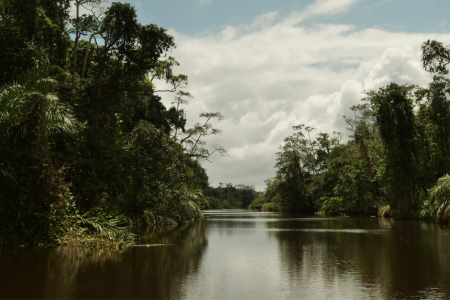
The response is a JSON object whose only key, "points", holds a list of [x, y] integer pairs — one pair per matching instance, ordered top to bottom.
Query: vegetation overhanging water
{"points": [[88, 152]]}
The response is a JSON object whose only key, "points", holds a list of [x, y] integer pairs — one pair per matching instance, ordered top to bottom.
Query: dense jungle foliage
{"points": [[87, 149], [394, 163]]}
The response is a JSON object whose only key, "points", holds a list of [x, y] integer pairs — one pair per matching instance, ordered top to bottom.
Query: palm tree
{"points": [[29, 109], [30, 116]]}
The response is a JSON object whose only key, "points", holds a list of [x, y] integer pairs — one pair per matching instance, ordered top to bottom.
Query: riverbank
{"points": [[440, 214], [92, 232]]}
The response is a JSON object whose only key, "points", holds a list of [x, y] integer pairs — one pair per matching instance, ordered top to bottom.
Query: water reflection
{"points": [[237, 254], [401, 260], [138, 272]]}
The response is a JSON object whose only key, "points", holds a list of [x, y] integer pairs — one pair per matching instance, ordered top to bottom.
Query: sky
{"points": [[269, 65]]}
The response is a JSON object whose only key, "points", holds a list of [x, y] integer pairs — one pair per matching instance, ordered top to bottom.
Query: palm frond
{"points": [[8, 95], [31, 105], [60, 117], [439, 196], [194, 206], [109, 228]]}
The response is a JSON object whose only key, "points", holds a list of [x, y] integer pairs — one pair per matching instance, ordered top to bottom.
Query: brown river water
{"points": [[237, 254]]}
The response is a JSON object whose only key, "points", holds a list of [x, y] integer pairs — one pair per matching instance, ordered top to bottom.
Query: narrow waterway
{"points": [[236, 254]]}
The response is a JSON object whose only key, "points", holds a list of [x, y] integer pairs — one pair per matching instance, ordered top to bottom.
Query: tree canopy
{"points": [[86, 145]]}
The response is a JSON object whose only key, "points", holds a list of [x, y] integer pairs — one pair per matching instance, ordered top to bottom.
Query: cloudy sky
{"points": [[269, 65]]}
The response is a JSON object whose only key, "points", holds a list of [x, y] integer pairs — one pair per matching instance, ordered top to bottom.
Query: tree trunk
{"points": [[75, 46], [86, 55]]}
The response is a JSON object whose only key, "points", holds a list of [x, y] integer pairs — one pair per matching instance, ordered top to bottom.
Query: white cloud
{"points": [[321, 7], [267, 77]]}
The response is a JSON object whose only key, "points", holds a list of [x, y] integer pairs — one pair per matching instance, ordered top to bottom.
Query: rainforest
{"points": [[89, 153], [395, 162]]}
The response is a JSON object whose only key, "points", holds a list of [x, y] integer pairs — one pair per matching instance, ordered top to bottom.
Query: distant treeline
{"points": [[394, 164], [229, 196]]}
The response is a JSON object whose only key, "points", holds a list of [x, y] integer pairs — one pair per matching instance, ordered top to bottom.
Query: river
{"points": [[237, 254]]}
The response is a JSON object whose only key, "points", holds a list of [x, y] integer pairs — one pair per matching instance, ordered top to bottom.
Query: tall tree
{"points": [[33, 32], [436, 101], [396, 123]]}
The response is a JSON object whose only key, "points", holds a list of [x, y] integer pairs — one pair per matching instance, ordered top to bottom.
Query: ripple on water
{"points": [[269, 220], [364, 231]]}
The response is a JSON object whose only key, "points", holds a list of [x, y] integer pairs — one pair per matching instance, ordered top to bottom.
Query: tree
{"points": [[82, 25], [32, 34], [435, 102], [31, 118], [396, 122], [192, 140], [88, 145], [300, 162]]}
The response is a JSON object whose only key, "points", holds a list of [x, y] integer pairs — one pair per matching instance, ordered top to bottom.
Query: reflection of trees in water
{"points": [[229, 224], [230, 228], [409, 259], [137, 272], [37, 273]]}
